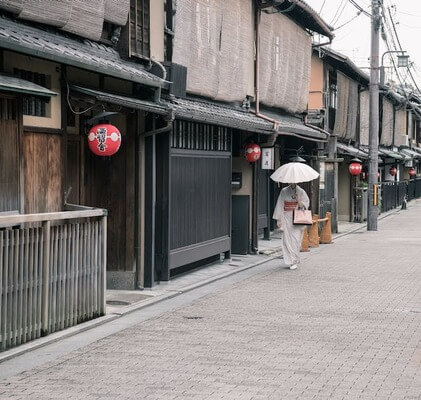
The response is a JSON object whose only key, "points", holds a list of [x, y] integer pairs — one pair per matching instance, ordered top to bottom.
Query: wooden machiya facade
{"points": [[46, 102], [339, 102], [192, 181], [169, 190]]}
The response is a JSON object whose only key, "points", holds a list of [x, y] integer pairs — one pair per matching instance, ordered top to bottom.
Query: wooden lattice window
{"points": [[139, 25], [168, 30], [32, 105], [196, 136]]}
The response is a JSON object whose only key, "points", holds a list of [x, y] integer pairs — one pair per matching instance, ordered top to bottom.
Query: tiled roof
{"points": [[47, 43], [124, 101], [214, 113], [235, 117], [351, 150]]}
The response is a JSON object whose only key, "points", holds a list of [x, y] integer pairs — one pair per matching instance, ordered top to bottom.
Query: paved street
{"points": [[345, 325]]}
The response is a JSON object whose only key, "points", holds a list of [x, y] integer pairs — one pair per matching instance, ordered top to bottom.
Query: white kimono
{"points": [[292, 234]]}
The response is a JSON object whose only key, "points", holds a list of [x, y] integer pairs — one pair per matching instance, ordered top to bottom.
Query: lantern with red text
{"points": [[104, 139], [252, 152], [355, 168], [393, 171], [412, 172]]}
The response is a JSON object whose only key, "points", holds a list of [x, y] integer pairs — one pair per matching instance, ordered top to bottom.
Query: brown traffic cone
{"points": [[326, 233], [313, 236], [304, 242]]}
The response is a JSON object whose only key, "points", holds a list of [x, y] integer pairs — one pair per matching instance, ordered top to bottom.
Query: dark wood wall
{"points": [[10, 137], [43, 172], [107, 182], [200, 200]]}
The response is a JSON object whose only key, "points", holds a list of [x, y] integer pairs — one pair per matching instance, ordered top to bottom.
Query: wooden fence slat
{"points": [[19, 233], [54, 252], [8, 262], [25, 265], [95, 266], [90, 271], [76, 272], [51, 277], [31, 283], [15, 287], [2, 294]]}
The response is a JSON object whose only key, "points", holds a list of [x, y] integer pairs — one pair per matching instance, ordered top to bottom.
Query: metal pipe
{"points": [[314, 46]]}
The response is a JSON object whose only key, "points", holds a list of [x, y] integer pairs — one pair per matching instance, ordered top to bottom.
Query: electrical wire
{"points": [[358, 7], [321, 8], [334, 19], [346, 23], [400, 47], [70, 106]]}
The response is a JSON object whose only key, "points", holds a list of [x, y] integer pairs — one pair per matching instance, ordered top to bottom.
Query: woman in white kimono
{"points": [[290, 198]]}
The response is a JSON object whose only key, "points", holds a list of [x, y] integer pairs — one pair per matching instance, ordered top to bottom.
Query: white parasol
{"points": [[294, 172]]}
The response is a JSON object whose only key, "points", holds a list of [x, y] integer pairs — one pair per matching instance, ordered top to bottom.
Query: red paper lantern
{"points": [[104, 139], [252, 152], [355, 168], [393, 171], [412, 172]]}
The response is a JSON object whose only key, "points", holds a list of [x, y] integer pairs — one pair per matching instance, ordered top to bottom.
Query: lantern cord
{"points": [[70, 106]]}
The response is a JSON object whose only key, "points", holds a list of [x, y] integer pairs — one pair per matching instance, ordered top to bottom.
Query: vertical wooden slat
{"points": [[19, 234], [39, 237], [8, 262], [54, 262], [104, 262], [76, 268], [88, 269], [96, 269], [83, 273], [72, 274], [45, 277], [68, 279], [25, 284], [31, 284], [15, 285], [61, 286], [2, 294]]}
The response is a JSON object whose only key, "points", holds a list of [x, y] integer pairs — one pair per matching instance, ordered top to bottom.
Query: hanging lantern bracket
{"points": [[101, 118]]}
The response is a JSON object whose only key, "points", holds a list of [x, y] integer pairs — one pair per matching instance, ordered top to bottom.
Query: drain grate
{"points": [[195, 317]]}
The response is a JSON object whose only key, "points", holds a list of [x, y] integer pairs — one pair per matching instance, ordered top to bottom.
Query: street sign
{"points": [[268, 159]]}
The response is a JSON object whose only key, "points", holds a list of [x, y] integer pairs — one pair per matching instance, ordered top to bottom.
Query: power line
{"points": [[358, 7], [321, 8], [338, 13], [346, 23], [400, 47]]}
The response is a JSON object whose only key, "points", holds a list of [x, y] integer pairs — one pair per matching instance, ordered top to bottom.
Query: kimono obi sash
{"points": [[290, 205]]}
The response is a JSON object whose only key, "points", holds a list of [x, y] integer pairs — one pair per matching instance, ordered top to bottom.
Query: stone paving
{"points": [[345, 325]]}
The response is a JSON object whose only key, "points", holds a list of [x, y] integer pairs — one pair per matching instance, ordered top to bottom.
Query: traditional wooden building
{"points": [[61, 66], [187, 92], [339, 102], [209, 199]]}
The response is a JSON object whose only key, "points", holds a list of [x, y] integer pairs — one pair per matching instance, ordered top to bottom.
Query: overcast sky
{"points": [[353, 39]]}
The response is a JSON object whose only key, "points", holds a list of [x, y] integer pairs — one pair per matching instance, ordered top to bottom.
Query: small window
{"points": [[139, 25], [169, 29], [32, 105], [196, 136]]}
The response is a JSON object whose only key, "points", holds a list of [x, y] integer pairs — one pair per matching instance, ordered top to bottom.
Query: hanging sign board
{"points": [[268, 158]]}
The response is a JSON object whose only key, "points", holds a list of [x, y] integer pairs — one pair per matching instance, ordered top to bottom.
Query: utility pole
{"points": [[374, 118]]}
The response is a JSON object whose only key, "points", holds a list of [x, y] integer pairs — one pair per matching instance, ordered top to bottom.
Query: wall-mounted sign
{"points": [[268, 158]]}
